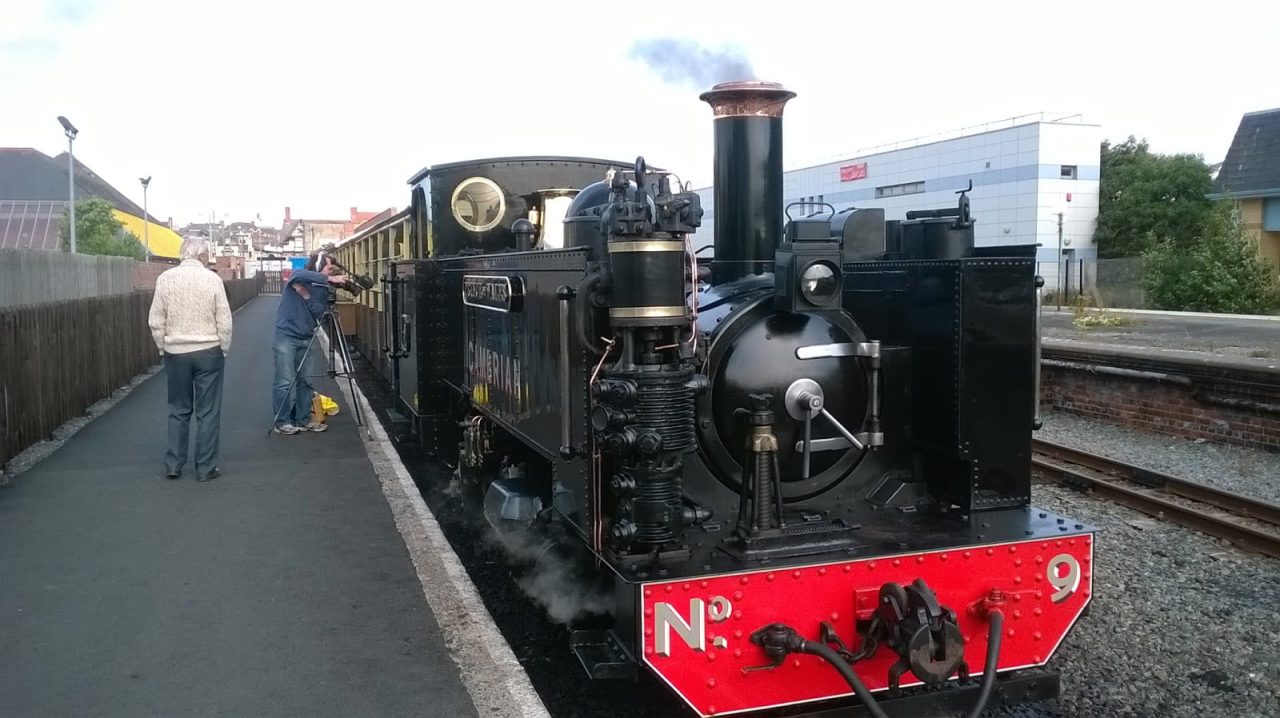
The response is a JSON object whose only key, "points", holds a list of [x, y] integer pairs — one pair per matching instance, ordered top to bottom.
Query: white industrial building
{"points": [[1025, 171]]}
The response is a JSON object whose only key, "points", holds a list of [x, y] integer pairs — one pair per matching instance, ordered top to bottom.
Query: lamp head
{"points": [[67, 127], [145, 181]]}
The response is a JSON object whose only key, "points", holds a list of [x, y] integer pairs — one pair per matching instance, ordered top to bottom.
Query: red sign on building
{"points": [[848, 173]]}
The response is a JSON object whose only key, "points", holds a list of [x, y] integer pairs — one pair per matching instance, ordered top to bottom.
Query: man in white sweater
{"points": [[191, 324]]}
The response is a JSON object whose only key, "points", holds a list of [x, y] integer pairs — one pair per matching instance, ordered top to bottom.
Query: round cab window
{"points": [[478, 204]]}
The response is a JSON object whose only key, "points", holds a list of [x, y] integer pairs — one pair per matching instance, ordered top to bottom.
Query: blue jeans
{"points": [[195, 386], [292, 408]]}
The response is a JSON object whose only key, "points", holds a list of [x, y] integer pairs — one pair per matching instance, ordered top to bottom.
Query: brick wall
{"points": [[145, 273], [1185, 403]]}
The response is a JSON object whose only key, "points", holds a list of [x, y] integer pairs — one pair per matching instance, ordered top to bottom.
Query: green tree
{"points": [[1142, 195], [99, 232], [1218, 271]]}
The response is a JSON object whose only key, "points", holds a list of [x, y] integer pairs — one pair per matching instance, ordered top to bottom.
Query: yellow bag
{"points": [[322, 407]]}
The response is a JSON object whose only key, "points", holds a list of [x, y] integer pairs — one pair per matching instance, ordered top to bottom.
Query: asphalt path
{"points": [[281, 588]]}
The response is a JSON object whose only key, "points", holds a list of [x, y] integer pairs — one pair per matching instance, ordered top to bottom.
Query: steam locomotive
{"points": [[801, 466]]}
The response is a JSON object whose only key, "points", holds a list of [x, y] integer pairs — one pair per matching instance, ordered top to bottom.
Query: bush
{"points": [[99, 232], [1219, 271]]}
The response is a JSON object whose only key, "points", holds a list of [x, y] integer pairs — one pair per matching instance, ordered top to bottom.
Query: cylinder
{"points": [[747, 176], [648, 283]]}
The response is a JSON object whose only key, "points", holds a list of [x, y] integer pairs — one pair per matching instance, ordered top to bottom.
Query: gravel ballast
{"points": [[1244, 470], [1180, 623]]}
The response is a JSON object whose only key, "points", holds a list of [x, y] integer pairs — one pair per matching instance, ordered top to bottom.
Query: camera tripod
{"points": [[338, 349]]}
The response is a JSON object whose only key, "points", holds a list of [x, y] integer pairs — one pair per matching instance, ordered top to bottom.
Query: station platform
{"points": [[1246, 340], [283, 587]]}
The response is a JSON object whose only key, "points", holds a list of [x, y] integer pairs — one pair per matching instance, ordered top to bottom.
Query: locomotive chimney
{"points": [[748, 176]]}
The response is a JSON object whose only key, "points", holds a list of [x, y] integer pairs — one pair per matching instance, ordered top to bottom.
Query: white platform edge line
{"points": [[496, 682]]}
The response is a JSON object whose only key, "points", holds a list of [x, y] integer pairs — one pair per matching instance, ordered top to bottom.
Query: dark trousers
{"points": [[195, 385]]}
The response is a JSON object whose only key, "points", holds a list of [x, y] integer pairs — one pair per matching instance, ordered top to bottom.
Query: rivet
{"points": [[1072, 542], [1044, 544], [1058, 544], [1013, 549], [967, 554], [943, 557], [919, 559], [1039, 559], [1085, 559], [897, 562], [1017, 562], [871, 566], [848, 568], [822, 572], [795, 574], [768, 577], [1039, 578], [1017, 579], [743, 580], [704, 584], [687, 587], [670, 588], [648, 592], [1039, 594], [1086, 594], [737, 595], [1017, 596], [648, 611], [1036, 611], [737, 615], [835, 617], [648, 632], [1011, 632], [737, 633], [1036, 635], [648, 650], [737, 653], [711, 656], [1037, 659], [796, 662], [711, 683], [711, 710]]}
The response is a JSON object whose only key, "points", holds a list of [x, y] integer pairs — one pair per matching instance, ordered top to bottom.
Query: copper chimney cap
{"points": [[747, 98]]}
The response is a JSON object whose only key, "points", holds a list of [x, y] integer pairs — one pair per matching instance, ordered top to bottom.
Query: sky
{"points": [[243, 107]]}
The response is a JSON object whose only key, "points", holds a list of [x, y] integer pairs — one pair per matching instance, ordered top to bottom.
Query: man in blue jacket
{"points": [[303, 301]]}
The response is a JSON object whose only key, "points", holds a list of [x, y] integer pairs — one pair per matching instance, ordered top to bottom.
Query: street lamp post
{"points": [[71, 133], [146, 239]]}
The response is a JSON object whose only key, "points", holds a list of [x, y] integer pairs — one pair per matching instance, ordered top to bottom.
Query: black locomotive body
{"points": [[808, 454]]}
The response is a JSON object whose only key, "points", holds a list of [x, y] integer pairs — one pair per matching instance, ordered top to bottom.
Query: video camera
{"points": [[356, 283]]}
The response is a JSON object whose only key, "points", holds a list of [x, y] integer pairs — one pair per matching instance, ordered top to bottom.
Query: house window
{"points": [[1068, 172], [895, 190]]}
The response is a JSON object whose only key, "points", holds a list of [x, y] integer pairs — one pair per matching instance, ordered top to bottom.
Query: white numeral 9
{"points": [[1067, 582]]}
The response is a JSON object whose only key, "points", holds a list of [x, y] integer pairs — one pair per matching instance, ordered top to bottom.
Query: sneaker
{"points": [[314, 426], [286, 429], [213, 474]]}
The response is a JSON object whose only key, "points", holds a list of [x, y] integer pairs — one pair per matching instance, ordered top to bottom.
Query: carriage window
{"points": [[478, 204]]}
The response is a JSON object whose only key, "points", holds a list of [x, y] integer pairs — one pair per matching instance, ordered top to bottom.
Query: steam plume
{"points": [[684, 62]]}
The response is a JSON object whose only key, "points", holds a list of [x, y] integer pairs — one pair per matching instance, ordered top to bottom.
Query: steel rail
{"points": [[1104, 476]]}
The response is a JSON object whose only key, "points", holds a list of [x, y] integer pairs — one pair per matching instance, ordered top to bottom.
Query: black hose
{"points": [[994, 634], [825, 652]]}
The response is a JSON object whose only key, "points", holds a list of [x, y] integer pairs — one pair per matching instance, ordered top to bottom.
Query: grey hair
{"points": [[193, 247]]}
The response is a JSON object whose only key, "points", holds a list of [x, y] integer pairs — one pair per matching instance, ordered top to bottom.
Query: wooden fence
{"points": [[59, 358]]}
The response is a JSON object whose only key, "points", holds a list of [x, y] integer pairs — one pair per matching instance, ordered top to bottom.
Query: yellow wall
{"points": [[164, 241], [1268, 242]]}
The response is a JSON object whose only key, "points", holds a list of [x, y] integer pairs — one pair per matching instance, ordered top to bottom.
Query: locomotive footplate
{"points": [[802, 535]]}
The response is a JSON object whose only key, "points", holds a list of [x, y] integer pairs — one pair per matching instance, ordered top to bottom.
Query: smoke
{"points": [[684, 62], [547, 576]]}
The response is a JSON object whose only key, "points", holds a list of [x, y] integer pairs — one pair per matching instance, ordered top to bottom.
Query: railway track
{"points": [[1245, 521]]}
